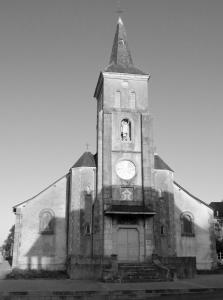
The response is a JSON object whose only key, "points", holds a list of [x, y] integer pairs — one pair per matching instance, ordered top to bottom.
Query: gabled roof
{"points": [[121, 59], [86, 160], [160, 164], [49, 186], [195, 198], [218, 208]]}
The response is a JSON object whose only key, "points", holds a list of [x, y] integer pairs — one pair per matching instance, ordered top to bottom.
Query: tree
{"points": [[7, 247]]}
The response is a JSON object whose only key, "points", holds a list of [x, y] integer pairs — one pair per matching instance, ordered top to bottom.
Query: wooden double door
{"points": [[128, 244]]}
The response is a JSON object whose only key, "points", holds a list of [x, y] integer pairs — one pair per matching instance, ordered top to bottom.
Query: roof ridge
{"points": [[50, 185], [194, 197]]}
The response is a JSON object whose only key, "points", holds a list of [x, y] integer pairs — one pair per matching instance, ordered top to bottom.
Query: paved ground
{"points": [[201, 282], [209, 286], [208, 296]]}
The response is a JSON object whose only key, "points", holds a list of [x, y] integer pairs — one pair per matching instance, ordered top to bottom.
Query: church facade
{"points": [[122, 203]]}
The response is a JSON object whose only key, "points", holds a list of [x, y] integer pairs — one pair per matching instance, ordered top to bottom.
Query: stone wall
{"points": [[82, 194], [164, 227], [87, 267], [181, 267]]}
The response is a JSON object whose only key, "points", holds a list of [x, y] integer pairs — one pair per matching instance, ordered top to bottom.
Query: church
{"points": [[121, 206]]}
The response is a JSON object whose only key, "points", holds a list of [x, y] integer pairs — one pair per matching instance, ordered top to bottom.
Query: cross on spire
{"points": [[119, 10], [87, 146]]}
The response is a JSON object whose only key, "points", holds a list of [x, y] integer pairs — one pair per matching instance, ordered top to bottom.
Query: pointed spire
{"points": [[120, 21], [120, 51], [121, 59]]}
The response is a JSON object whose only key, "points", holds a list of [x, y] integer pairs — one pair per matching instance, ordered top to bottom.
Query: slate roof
{"points": [[121, 59], [86, 160], [160, 164], [217, 206]]}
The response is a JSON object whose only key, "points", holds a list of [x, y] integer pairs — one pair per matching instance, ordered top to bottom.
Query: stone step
{"points": [[152, 267], [136, 272], [141, 274], [142, 280]]}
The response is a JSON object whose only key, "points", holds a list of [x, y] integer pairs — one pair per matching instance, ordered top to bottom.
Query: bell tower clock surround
{"points": [[123, 209]]}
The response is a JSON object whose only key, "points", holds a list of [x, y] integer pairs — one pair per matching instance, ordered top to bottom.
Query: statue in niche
{"points": [[125, 130], [46, 218], [46, 222]]}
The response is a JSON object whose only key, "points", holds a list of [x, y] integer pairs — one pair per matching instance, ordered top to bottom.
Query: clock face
{"points": [[125, 169]]}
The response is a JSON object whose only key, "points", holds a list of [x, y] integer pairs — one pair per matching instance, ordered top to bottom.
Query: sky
{"points": [[51, 54]]}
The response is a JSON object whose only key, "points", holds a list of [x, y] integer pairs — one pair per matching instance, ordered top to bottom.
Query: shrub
{"points": [[33, 274]]}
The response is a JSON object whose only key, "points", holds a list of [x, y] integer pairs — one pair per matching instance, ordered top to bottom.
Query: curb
{"points": [[104, 294]]}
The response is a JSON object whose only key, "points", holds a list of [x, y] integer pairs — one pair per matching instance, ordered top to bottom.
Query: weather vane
{"points": [[119, 10]]}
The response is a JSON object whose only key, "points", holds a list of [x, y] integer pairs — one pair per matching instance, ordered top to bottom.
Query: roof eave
{"points": [[195, 198], [21, 203]]}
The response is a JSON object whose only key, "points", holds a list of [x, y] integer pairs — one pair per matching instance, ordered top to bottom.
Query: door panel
{"points": [[122, 242], [128, 244], [132, 244]]}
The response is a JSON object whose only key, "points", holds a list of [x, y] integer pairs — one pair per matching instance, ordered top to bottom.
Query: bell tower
{"points": [[124, 204]]}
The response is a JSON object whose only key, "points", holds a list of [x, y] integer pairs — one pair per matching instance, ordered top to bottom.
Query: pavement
{"points": [[208, 283], [40, 288]]}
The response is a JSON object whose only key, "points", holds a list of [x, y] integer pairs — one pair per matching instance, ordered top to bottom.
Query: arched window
{"points": [[121, 42], [126, 130], [46, 221], [187, 224], [87, 229], [162, 230]]}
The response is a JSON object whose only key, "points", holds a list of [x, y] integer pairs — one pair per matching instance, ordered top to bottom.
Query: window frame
{"points": [[132, 99], [51, 230], [186, 232]]}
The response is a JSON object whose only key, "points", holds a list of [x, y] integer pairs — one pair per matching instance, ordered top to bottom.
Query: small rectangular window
{"points": [[117, 99], [132, 101]]}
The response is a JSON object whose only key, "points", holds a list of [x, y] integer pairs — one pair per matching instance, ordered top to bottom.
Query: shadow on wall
{"points": [[192, 230], [59, 237], [50, 251]]}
